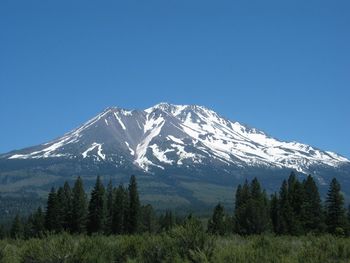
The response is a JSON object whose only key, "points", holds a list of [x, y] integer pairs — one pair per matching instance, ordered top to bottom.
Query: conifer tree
{"points": [[238, 197], [296, 199], [61, 203], [67, 206], [134, 206], [109, 207], [120, 208], [97, 209], [311, 210], [286, 211], [335, 211], [275, 213], [252, 215], [78, 216], [52, 218], [148, 219], [167, 221], [38, 223], [216, 224], [16, 230], [2, 232]]}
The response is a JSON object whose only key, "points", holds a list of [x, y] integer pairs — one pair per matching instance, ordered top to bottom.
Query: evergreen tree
{"points": [[238, 197], [296, 199], [61, 203], [134, 206], [67, 207], [109, 207], [97, 209], [120, 209], [311, 210], [286, 211], [335, 211], [275, 213], [78, 215], [252, 215], [52, 218], [148, 219], [167, 221], [38, 223], [217, 224], [16, 230], [2, 232]]}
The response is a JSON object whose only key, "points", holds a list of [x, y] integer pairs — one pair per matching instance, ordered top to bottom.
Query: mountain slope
{"points": [[169, 141]]}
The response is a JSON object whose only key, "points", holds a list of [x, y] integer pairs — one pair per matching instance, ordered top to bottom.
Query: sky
{"points": [[279, 66]]}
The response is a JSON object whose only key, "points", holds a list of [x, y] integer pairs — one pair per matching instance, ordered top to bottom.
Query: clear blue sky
{"points": [[280, 66]]}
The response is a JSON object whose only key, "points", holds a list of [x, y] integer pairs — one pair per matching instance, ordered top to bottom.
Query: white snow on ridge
{"points": [[120, 121], [152, 128], [174, 139], [99, 151], [132, 152], [160, 155]]}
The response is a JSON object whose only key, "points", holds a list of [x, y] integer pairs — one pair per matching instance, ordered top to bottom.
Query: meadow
{"points": [[178, 245]]}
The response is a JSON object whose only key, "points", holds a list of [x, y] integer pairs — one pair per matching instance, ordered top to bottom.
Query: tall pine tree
{"points": [[134, 206], [109, 207], [97, 209], [120, 210], [311, 210], [335, 211], [78, 215], [52, 217], [217, 224], [17, 228]]}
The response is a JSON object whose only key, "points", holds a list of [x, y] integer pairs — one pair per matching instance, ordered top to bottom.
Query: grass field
{"points": [[178, 245]]}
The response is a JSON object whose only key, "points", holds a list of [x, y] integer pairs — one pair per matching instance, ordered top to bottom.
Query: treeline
{"points": [[110, 210], [296, 210]]}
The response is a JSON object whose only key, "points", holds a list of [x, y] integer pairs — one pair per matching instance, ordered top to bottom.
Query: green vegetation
{"points": [[113, 226], [188, 243]]}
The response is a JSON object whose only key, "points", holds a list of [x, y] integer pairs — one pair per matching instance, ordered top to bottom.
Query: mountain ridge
{"points": [[204, 123], [187, 153]]}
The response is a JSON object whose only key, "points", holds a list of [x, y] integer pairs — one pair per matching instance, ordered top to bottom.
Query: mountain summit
{"points": [[179, 135], [176, 140]]}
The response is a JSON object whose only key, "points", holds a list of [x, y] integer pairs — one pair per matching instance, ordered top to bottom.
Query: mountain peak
{"points": [[177, 134]]}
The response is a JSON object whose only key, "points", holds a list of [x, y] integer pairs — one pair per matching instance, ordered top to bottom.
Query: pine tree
{"points": [[238, 197], [296, 199], [61, 203], [134, 206], [67, 207], [109, 208], [120, 208], [97, 209], [259, 209], [311, 210], [286, 211], [335, 211], [275, 213], [252, 215], [78, 217], [52, 218], [148, 219], [167, 221], [38, 223], [217, 224], [16, 230], [2, 232]]}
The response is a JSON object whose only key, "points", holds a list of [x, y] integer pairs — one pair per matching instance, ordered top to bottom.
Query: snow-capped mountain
{"points": [[177, 135], [180, 151]]}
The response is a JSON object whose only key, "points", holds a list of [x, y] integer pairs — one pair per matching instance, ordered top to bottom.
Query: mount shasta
{"points": [[183, 155]]}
